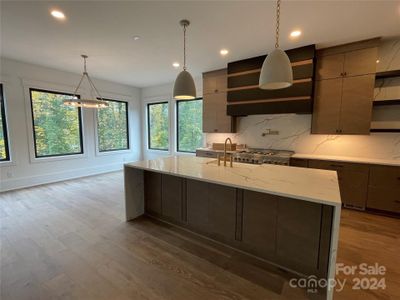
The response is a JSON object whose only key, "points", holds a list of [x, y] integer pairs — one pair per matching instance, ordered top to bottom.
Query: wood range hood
{"points": [[245, 98]]}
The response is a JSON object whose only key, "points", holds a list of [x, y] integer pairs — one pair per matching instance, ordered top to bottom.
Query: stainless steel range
{"points": [[263, 156]]}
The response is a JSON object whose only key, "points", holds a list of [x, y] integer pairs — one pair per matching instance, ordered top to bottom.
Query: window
{"points": [[158, 125], [189, 125], [112, 126], [57, 129], [4, 150]]}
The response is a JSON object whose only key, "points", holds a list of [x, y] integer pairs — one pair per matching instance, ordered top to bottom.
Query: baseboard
{"points": [[19, 183]]}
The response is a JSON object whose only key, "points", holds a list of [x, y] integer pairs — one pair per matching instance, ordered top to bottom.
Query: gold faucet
{"points": [[225, 154]]}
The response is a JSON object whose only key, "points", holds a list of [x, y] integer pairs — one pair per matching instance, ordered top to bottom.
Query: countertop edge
{"points": [[369, 161], [303, 198]]}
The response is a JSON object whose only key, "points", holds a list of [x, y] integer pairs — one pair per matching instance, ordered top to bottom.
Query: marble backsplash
{"points": [[294, 134]]}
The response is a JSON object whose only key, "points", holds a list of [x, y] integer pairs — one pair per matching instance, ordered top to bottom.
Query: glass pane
{"points": [[190, 125], [56, 126], [112, 126], [158, 126]]}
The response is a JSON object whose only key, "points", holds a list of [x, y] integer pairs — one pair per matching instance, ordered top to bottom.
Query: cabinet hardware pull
{"points": [[345, 73]]}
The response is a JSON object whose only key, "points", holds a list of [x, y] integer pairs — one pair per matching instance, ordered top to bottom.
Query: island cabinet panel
{"points": [[353, 181], [152, 193], [172, 198], [211, 209], [259, 224], [298, 235]]}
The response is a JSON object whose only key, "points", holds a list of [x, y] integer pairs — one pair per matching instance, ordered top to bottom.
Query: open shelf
{"points": [[387, 74], [386, 102], [384, 130]]}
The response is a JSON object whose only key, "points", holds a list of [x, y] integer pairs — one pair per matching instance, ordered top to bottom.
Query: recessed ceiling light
{"points": [[58, 14], [295, 33], [136, 37], [224, 52], [377, 61], [176, 65]]}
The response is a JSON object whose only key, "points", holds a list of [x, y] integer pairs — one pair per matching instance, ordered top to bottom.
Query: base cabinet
{"points": [[211, 209], [292, 233]]}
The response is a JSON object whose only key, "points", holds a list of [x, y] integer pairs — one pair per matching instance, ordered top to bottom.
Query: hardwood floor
{"points": [[69, 240]]}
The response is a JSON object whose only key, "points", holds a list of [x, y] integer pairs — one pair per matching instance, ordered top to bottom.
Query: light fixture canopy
{"points": [[276, 71], [184, 87], [97, 102]]}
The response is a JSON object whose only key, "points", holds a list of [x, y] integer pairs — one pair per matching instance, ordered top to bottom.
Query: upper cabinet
{"points": [[344, 88], [215, 118]]}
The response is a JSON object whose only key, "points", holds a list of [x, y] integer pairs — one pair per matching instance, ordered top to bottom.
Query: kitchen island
{"points": [[287, 216]]}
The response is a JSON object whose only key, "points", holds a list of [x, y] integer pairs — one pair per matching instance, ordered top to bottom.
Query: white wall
{"points": [[161, 93], [24, 170]]}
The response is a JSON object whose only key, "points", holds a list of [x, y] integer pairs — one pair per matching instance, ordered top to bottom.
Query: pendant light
{"points": [[276, 72], [184, 87], [97, 102]]}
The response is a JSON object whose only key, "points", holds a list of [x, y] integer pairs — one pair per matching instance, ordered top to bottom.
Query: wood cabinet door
{"points": [[360, 62], [329, 66], [215, 82], [327, 103], [210, 106], [356, 109], [215, 118], [353, 188], [152, 192], [172, 198], [386, 199], [197, 205], [222, 212], [259, 224], [298, 234]]}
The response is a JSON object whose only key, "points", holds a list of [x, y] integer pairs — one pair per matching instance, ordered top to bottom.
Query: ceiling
{"points": [[104, 30]]}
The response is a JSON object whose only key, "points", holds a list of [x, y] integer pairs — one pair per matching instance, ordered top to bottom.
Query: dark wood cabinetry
{"points": [[344, 89], [215, 118], [353, 181], [362, 186], [172, 189], [384, 189], [152, 193], [211, 209], [259, 223], [292, 233], [299, 236]]}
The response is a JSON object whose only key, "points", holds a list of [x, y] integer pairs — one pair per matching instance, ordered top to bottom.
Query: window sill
{"points": [[113, 152], [57, 158]]}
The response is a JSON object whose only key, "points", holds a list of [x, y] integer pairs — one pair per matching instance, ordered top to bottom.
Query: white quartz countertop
{"points": [[361, 160], [319, 186]]}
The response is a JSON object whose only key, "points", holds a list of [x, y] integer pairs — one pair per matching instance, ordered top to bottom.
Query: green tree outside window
{"points": [[158, 125], [189, 125], [57, 128]]}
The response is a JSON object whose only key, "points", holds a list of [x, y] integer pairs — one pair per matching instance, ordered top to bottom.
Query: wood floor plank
{"points": [[69, 240]]}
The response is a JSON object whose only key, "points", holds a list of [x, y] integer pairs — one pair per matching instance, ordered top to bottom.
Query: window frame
{"points": [[177, 123], [33, 124], [148, 126], [5, 127], [127, 128]]}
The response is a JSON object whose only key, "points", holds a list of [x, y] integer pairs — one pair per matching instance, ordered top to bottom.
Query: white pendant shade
{"points": [[276, 72], [184, 87]]}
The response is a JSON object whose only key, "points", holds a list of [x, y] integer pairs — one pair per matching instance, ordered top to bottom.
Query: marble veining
{"points": [[295, 134], [312, 185]]}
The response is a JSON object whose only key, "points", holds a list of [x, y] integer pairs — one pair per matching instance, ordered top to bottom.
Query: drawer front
{"points": [[202, 153], [299, 162], [337, 165], [385, 176], [384, 199]]}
